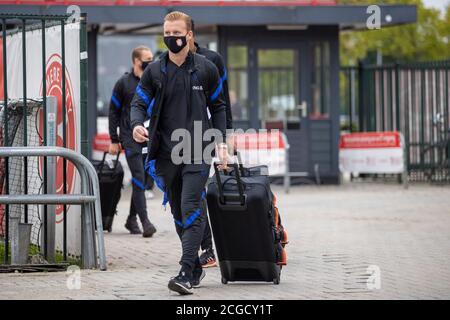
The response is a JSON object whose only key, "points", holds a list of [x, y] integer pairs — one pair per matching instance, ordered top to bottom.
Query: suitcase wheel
{"points": [[276, 280], [224, 281]]}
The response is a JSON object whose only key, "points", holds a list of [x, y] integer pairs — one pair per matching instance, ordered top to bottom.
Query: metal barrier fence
{"points": [[13, 24], [410, 98], [89, 199]]}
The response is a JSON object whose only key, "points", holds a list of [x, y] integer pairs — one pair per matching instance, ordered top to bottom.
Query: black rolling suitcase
{"points": [[110, 177], [246, 226]]}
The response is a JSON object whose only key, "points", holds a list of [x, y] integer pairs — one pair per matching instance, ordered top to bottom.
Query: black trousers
{"points": [[140, 180], [184, 185], [207, 237]]}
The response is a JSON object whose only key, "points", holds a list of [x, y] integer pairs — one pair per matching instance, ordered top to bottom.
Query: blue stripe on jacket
{"points": [[224, 77], [217, 92], [142, 94], [115, 101], [150, 108]]}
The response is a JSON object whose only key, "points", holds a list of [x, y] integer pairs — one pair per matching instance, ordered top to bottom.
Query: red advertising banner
{"points": [[259, 140], [366, 140], [371, 152]]}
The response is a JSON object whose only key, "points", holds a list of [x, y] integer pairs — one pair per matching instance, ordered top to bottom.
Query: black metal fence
{"points": [[410, 98], [20, 115]]}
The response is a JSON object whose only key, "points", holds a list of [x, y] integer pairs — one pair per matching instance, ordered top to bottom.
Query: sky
{"points": [[440, 4]]}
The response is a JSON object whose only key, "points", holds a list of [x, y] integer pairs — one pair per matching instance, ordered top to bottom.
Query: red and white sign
{"points": [[53, 77], [2, 84], [101, 142], [262, 148], [371, 152]]}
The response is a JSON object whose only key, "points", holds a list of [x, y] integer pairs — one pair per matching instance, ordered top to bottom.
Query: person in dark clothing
{"points": [[217, 59], [181, 93], [119, 117], [208, 258]]}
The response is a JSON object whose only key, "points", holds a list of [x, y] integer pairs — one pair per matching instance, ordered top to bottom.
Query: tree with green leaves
{"points": [[428, 39]]}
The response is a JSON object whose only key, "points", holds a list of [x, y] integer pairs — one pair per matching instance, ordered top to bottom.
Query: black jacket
{"points": [[217, 59], [147, 101], [119, 108]]}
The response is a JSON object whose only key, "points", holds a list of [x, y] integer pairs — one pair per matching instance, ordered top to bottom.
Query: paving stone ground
{"points": [[341, 238]]}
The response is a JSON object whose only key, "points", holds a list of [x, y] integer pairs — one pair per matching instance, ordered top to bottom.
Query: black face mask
{"points": [[171, 43], [145, 64]]}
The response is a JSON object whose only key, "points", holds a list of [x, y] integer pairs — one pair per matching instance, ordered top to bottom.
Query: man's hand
{"points": [[140, 134], [114, 148], [222, 152]]}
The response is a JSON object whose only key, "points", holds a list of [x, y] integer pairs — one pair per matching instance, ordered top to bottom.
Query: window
{"points": [[278, 75], [238, 81], [320, 82]]}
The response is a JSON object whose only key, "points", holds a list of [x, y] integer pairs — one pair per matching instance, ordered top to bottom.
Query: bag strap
{"points": [[200, 63], [155, 69], [159, 90], [237, 154], [102, 163]]}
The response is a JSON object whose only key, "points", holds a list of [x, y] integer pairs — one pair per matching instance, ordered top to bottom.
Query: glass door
{"points": [[278, 74], [238, 80]]}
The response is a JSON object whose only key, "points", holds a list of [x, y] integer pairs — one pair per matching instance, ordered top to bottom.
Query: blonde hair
{"points": [[178, 15]]}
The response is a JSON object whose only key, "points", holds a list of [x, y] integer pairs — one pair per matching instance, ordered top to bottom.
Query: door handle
{"points": [[303, 107]]}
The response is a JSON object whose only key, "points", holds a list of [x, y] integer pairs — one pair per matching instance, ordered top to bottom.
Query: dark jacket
{"points": [[217, 59], [147, 102], [119, 108]]}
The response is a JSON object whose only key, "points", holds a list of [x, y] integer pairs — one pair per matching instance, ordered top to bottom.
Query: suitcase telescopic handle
{"points": [[237, 154], [103, 161], [240, 185]]}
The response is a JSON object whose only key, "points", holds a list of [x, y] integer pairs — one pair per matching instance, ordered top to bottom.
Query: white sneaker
{"points": [[149, 194]]}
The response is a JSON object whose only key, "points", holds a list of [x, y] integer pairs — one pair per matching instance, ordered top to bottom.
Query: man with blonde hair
{"points": [[181, 90], [208, 258]]}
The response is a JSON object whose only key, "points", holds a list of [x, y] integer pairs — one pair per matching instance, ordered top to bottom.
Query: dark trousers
{"points": [[140, 181], [184, 185], [207, 237]]}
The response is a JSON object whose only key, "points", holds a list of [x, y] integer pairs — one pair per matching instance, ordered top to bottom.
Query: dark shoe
{"points": [[132, 225], [149, 229], [208, 259], [197, 276], [181, 284]]}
